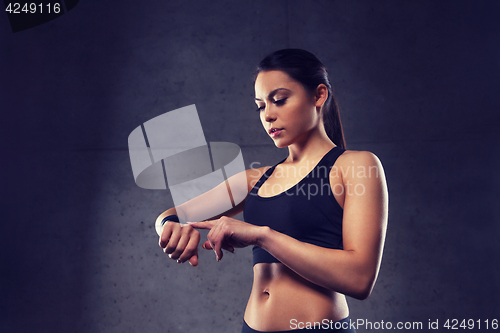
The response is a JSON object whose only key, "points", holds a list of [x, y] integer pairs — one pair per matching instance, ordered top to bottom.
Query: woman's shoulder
{"points": [[358, 157], [355, 163], [257, 171], [254, 174]]}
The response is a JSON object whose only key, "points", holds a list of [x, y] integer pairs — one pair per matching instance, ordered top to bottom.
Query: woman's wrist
{"points": [[168, 212], [170, 218], [159, 220], [263, 236]]}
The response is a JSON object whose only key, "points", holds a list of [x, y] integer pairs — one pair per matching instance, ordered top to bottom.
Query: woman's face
{"points": [[287, 111]]}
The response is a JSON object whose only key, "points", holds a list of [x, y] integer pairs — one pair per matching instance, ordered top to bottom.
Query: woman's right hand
{"points": [[180, 242]]}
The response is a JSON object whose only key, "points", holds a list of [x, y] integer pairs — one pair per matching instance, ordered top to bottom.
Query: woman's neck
{"points": [[315, 146]]}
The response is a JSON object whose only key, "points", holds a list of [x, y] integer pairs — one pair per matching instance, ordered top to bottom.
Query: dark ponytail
{"points": [[305, 68]]}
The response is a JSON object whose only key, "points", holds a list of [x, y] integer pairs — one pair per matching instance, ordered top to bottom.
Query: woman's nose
{"points": [[269, 115]]}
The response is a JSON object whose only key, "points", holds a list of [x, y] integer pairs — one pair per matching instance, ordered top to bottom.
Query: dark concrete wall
{"points": [[417, 82]]}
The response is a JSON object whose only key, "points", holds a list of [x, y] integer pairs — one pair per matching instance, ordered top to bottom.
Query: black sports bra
{"points": [[307, 211]]}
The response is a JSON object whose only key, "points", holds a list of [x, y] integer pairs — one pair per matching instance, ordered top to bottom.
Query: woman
{"points": [[317, 219]]}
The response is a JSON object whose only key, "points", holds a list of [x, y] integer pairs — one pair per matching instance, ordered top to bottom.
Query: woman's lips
{"points": [[274, 132]]}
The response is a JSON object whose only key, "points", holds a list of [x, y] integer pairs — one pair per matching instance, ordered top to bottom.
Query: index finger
{"points": [[203, 225]]}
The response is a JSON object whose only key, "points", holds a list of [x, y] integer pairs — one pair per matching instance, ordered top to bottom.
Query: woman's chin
{"points": [[280, 144]]}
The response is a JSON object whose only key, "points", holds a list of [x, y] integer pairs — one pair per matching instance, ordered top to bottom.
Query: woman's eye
{"points": [[280, 102]]}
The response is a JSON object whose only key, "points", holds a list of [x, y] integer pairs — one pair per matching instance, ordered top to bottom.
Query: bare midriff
{"points": [[280, 296]]}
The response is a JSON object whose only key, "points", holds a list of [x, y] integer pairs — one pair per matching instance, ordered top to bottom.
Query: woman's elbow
{"points": [[361, 287], [362, 293]]}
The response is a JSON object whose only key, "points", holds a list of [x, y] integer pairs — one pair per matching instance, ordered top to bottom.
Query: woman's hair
{"points": [[305, 68]]}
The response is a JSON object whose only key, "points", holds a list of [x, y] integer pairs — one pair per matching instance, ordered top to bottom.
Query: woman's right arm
{"points": [[180, 241]]}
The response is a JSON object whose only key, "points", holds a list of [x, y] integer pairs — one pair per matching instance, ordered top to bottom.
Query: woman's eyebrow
{"points": [[272, 93]]}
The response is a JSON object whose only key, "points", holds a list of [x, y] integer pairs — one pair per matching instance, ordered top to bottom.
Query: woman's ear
{"points": [[321, 95]]}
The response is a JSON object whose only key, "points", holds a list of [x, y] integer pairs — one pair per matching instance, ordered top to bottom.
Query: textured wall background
{"points": [[417, 82]]}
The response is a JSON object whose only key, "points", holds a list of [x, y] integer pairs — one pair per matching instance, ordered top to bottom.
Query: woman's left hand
{"points": [[228, 233]]}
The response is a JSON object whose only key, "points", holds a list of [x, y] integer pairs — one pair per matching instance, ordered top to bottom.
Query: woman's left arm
{"points": [[351, 271]]}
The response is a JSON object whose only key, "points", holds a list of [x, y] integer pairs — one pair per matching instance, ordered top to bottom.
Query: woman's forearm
{"points": [[345, 271]]}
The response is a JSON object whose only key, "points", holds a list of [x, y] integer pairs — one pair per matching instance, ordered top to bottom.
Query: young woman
{"points": [[317, 219]]}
